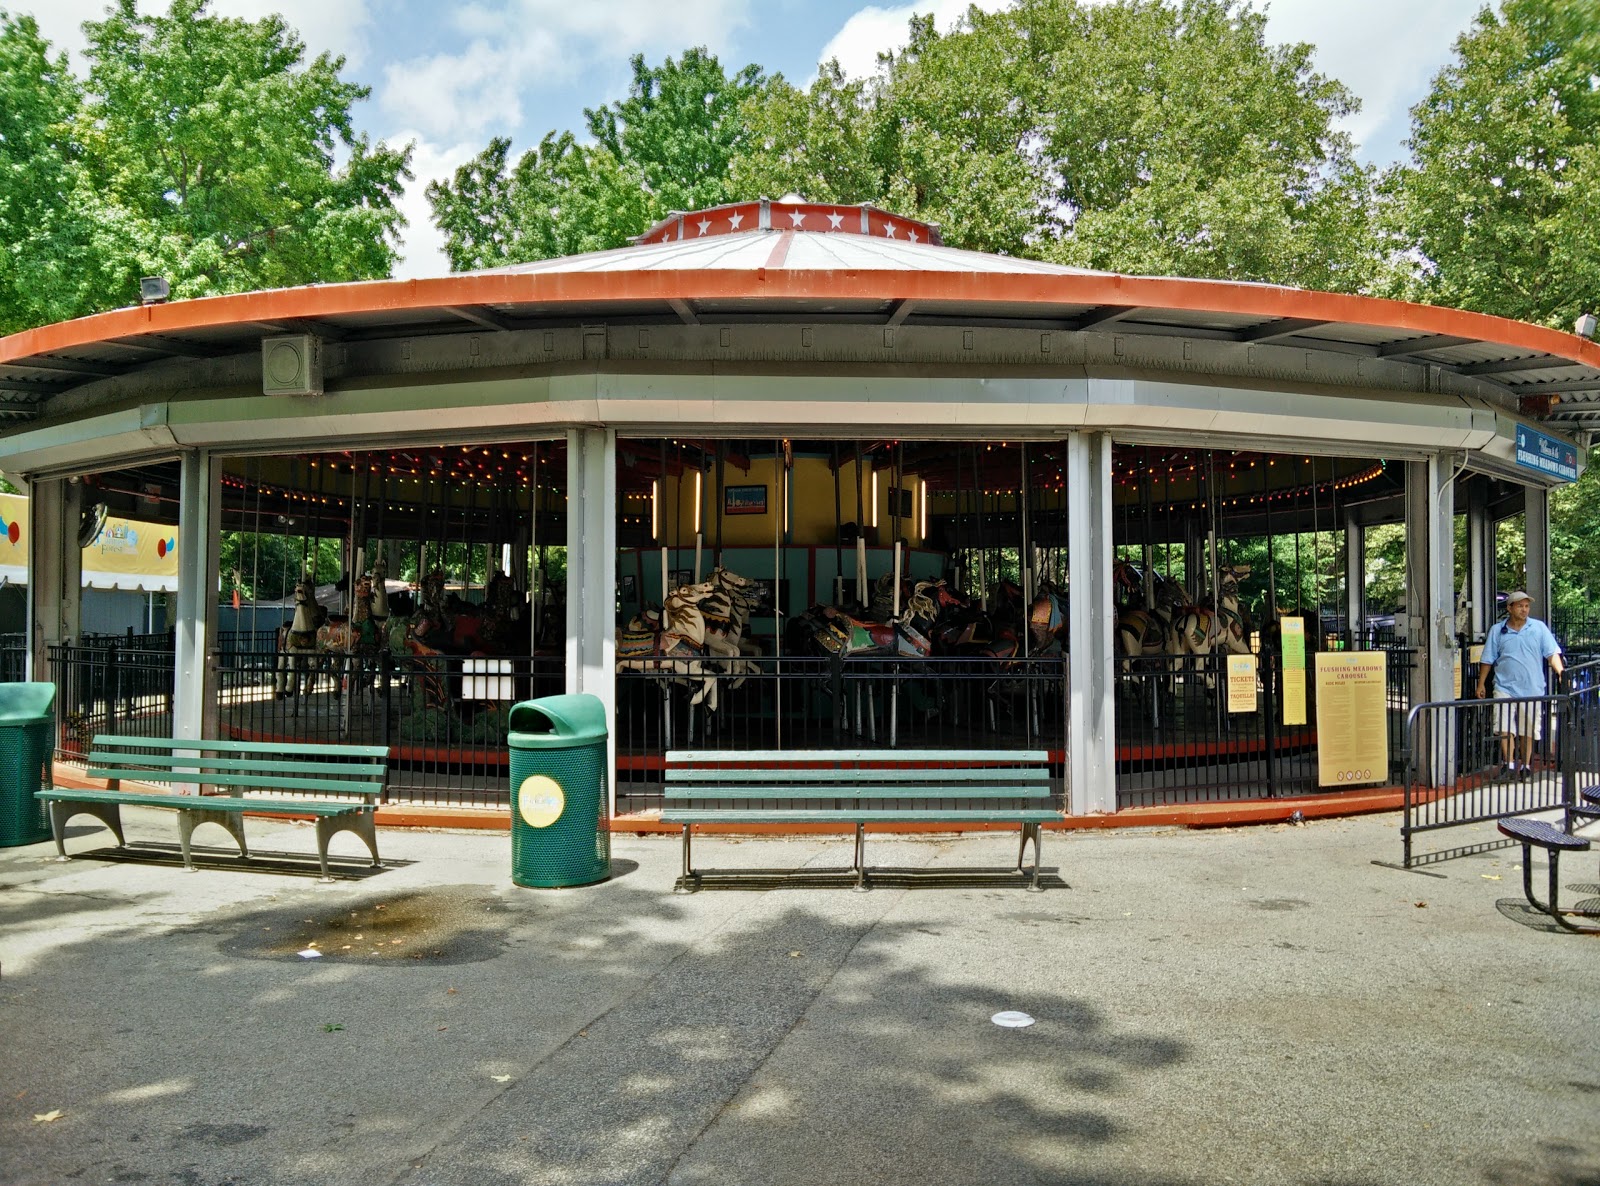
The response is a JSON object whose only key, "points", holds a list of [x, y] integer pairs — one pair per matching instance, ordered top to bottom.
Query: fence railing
{"points": [[13, 658], [110, 688], [819, 703], [443, 717], [1178, 743], [1457, 753]]}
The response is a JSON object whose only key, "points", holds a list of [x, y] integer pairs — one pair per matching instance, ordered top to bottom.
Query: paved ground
{"points": [[1260, 1005]]}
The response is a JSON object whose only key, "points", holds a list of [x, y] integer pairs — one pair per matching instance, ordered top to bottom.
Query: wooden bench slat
{"points": [[310, 749], [678, 757], [284, 762], [906, 774], [324, 786], [895, 791], [198, 802], [786, 815]]}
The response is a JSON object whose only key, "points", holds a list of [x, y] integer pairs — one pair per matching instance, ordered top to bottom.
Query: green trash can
{"points": [[27, 724], [559, 805]]}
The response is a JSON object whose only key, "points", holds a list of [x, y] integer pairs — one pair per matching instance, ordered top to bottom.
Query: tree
{"points": [[1138, 136], [216, 147], [665, 147], [1499, 208], [45, 234]]}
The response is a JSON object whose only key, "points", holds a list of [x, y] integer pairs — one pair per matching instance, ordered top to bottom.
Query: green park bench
{"points": [[337, 785], [858, 787]]}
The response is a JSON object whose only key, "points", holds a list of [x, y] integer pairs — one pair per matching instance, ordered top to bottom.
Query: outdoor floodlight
{"points": [[154, 290], [1585, 326]]}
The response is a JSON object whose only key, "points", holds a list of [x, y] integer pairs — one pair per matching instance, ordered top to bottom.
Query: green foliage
{"points": [[1136, 136], [665, 147], [199, 148], [1500, 205], [265, 567]]}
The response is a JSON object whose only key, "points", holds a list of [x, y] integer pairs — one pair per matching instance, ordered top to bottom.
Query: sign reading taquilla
{"points": [[1549, 456]]}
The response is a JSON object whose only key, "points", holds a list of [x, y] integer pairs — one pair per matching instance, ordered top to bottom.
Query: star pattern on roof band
{"points": [[797, 218], [734, 220], [835, 220], [704, 224]]}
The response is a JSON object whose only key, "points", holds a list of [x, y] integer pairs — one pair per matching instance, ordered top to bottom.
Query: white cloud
{"points": [[339, 26], [875, 30], [521, 46], [1386, 52], [423, 252]]}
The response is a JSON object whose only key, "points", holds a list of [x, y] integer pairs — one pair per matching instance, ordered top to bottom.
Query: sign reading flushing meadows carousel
{"points": [[1537, 451]]}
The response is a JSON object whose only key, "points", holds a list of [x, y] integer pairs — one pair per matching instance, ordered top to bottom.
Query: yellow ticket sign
{"points": [[1294, 670], [1241, 683], [1352, 719]]}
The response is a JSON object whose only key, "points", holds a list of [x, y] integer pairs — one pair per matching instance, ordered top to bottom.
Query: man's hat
{"points": [[1515, 596]]}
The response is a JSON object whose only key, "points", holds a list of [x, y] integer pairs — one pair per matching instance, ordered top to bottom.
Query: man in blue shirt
{"points": [[1517, 649]]}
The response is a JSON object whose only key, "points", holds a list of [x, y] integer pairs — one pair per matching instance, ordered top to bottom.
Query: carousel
{"points": [[790, 476]]}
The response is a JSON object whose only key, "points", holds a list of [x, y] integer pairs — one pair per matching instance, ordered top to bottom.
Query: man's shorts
{"points": [[1525, 718]]}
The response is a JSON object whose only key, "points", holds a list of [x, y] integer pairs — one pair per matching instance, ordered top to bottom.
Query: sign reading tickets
{"points": [[1294, 670], [1241, 683], [1352, 719], [540, 800]]}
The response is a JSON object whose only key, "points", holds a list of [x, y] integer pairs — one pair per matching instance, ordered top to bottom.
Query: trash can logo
{"points": [[540, 800]]}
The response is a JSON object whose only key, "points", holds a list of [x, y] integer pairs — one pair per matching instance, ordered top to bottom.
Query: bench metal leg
{"points": [[109, 814], [189, 818], [361, 823], [861, 859], [689, 882], [1033, 886], [1553, 909]]}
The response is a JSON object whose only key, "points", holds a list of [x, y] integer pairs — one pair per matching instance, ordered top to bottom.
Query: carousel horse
{"points": [[380, 594], [1049, 620], [1204, 630], [424, 638], [297, 642], [677, 646]]}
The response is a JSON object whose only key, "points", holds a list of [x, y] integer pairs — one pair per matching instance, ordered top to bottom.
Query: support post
{"points": [[1536, 539], [1480, 558], [55, 573], [592, 575], [1355, 577], [1430, 600], [194, 703], [1091, 724]]}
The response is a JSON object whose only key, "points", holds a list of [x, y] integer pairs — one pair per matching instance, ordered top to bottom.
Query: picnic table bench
{"points": [[337, 785], [858, 787], [1533, 833]]}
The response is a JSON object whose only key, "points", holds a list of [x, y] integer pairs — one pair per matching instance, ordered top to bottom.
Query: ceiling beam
{"points": [[684, 310], [899, 311], [479, 315], [1102, 315], [1286, 327], [152, 344], [1421, 345], [1507, 365], [53, 366], [1561, 387]]}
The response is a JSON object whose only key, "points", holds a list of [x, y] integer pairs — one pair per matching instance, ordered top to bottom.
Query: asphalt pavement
{"points": [[1253, 1005]]}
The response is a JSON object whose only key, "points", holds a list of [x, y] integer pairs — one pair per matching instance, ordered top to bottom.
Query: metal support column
{"points": [[1536, 537], [1480, 558], [55, 571], [592, 572], [1430, 573], [1355, 577], [194, 704], [1091, 720]]}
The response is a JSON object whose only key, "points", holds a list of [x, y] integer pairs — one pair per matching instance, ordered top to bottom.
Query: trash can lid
{"points": [[26, 704], [578, 717]]}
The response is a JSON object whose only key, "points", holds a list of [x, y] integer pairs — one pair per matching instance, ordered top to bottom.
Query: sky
{"points": [[448, 76]]}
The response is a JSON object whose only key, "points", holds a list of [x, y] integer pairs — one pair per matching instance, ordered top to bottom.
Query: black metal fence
{"points": [[13, 658], [110, 687], [818, 703], [443, 717], [1178, 743], [1457, 754]]}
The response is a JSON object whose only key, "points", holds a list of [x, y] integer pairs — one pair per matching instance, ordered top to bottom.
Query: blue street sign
{"points": [[1551, 457]]}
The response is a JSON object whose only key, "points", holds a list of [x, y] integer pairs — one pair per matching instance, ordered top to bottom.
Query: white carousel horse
{"points": [[380, 593], [297, 643], [679, 646]]}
